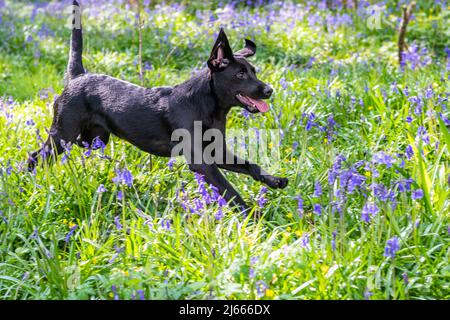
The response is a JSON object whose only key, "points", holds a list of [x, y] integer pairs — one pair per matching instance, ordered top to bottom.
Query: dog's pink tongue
{"points": [[260, 104]]}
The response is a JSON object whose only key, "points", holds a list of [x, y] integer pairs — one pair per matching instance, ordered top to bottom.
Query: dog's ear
{"points": [[249, 49], [221, 54]]}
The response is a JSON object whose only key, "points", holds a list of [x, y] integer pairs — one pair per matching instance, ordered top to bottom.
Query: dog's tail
{"points": [[75, 66]]}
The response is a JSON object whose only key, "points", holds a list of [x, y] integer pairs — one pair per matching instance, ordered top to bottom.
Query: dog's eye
{"points": [[241, 75]]}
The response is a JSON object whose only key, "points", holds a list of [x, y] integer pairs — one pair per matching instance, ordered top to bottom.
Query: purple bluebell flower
{"points": [[447, 51], [415, 57], [310, 62], [147, 66], [283, 83], [394, 87], [429, 92], [43, 94], [361, 102], [417, 102], [409, 119], [444, 119], [310, 121], [331, 122], [331, 125], [423, 134], [97, 143], [67, 146], [88, 152], [409, 152], [383, 158], [170, 163], [335, 169], [123, 176], [127, 177], [351, 180], [355, 180], [405, 185], [202, 188], [101, 189], [317, 190], [381, 192], [417, 194], [120, 195], [215, 195], [261, 198], [183, 200], [221, 201], [198, 206], [300, 206], [336, 206], [317, 209], [369, 211], [219, 214], [2, 215], [117, 223], [417, 223], [165, 224], [71, 231], [35, 234], [304, 240], [333, 240], [392, 246], [116, 254], [254, 260], [405, 278], [261, 288], [114, 290], [140, 294], [367, 294]]}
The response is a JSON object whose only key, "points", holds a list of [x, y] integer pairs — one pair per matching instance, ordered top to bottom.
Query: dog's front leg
{"points": [[233, 163], [214, 177]]}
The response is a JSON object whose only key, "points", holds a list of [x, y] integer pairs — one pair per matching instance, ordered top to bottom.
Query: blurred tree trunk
{"points": [[407, 12]]}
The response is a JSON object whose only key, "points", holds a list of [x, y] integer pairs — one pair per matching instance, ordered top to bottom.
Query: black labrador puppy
{"points": [[93, 105]]}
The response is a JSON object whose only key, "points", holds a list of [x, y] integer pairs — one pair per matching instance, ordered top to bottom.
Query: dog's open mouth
{"points": [[253, 105]]}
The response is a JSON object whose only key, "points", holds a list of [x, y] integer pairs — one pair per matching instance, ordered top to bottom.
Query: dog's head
{"points": [[234, 78]]}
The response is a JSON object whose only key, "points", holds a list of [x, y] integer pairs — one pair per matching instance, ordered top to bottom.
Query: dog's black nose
{"points": [[268, 91]]}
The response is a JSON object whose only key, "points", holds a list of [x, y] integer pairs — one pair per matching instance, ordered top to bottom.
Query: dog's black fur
{"points": [[94, 105]]}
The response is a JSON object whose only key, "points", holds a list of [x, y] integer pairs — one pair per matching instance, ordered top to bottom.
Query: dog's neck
{"points": [[201, 94]]}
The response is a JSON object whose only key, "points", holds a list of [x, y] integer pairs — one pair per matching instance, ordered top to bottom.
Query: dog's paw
{"points": [[276, 182]]}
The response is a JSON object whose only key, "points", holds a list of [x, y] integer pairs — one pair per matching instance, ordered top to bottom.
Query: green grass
{"points": [[284, 255]]}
